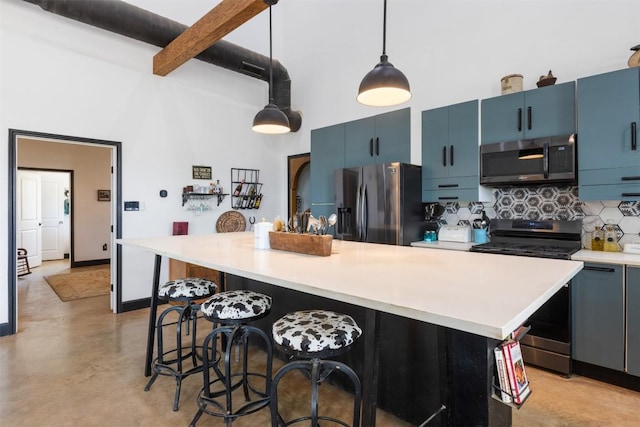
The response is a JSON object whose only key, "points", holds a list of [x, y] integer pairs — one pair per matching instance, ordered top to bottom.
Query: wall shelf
{"points": [[203, 196]]}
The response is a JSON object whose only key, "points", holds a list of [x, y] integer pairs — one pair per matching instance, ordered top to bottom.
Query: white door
{"points": [[29, 216], [53, 220]]}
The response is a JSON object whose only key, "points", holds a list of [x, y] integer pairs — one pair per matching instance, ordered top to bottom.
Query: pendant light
{"points": [[385, 85], [271, 119]]}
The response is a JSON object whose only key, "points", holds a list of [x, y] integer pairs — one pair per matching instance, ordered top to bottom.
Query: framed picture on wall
{"points": [[104, 195]]}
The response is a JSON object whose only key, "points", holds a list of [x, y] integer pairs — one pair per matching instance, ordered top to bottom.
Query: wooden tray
{"points": [[310, 244]]}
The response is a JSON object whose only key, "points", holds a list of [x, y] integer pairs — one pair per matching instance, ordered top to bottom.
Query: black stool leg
{"points": [[317, 370]]}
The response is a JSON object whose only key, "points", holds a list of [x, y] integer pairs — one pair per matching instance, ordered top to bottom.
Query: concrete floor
{"points": [[76, 363]]}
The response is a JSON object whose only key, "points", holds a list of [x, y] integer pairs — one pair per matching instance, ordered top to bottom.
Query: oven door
{"points": [[548, 342]]}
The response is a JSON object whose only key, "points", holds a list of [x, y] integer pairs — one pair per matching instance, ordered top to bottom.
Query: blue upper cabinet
{"points": [[536, 113], [379, 139], [608, 152], [450, 153], [327, 155]]}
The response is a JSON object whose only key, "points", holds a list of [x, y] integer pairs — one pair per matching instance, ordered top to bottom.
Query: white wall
{"points": [[450, 50], [59, 76], [63, 77]]}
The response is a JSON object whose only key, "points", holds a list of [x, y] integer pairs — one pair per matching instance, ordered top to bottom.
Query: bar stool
{"points": [[182, 293], [233, 310], [314, 335]]}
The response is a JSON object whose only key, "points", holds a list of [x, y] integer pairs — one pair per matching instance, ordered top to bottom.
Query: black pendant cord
{"points": [[384, 29], [271, 59]]}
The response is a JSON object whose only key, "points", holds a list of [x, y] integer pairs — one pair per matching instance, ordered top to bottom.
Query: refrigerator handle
{"points": [[358, 207], [365, 214]]}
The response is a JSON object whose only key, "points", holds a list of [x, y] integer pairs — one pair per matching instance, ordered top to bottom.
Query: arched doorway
{"points": [[298, 181]]}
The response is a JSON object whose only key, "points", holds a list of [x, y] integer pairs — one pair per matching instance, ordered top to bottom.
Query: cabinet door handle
{"points": [[529, 118], [519, 119], [634, 136], [377, 146], [371, 147], [451, 155], [444, 156], [630, 178], [447, 185], [630, 194], [447, 198], [601, 269]]}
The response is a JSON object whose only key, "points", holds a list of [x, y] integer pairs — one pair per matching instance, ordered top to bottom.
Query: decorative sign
{"points": [[202, 172], [104, 195]]}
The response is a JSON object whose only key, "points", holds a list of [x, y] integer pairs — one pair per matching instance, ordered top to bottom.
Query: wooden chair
{"points": [[22, 266]]}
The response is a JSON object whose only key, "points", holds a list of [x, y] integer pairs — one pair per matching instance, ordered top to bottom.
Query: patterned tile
{"points": [[562, 203], [452, 207], [476, 207], [629, 208]]}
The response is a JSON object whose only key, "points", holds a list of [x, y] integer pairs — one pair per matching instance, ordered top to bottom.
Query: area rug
{"points": [[81, 284]]}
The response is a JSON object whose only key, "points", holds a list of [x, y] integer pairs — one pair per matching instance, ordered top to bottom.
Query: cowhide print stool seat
{"points": [[183, 295], [231, 312], [314, 335]]}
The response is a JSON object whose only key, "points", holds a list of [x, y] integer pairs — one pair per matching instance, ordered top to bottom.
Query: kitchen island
{"points": [[475, 299]]}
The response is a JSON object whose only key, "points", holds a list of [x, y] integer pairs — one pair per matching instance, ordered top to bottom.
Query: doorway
{"points": [[299, 166], [43, 214], [115, 229]]}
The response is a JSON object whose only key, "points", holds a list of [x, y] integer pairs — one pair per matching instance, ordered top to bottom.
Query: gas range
{"points": [[544, 239], [548, 342]]}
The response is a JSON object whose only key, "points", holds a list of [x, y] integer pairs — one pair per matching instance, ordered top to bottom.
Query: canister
{"points": [[511, 83], [261, 235]]}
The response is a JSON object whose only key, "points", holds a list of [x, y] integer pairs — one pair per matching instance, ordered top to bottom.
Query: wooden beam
{"points": [[217, 23]]}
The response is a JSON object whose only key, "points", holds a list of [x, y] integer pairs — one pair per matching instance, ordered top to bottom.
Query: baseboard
{"points": [[90, 262], [136, 304], [5, 329], [610, 376]]}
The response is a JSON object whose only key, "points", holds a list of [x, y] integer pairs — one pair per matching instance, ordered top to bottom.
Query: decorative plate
{"points": [[231, 221]]}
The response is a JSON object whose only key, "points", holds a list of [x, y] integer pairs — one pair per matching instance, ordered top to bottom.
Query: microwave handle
{"points": [[545, 160]]}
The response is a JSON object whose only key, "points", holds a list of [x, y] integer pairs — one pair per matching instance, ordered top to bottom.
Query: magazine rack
{"points": [[495, 385], [497, 391]]}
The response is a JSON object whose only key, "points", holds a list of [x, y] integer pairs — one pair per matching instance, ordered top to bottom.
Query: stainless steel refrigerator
{"points": [[380, 203]]}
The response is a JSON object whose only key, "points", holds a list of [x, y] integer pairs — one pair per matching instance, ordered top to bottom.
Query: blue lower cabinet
{"points": [[598, 315], [633, 321]]}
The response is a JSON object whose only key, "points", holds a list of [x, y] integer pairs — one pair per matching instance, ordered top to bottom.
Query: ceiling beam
{"points": [[217, 23]]}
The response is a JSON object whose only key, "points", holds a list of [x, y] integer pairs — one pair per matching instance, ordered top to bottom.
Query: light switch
{"points": [[131, 206]]}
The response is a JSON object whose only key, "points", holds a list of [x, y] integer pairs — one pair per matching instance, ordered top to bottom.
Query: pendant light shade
{"points": [[385, 85], [271, 119]]}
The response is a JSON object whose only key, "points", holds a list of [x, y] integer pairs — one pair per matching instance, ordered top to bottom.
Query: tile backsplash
{"points": [[551, 203]]}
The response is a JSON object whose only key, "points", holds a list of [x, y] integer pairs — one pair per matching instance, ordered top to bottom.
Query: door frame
{"points": [[116, 227]]}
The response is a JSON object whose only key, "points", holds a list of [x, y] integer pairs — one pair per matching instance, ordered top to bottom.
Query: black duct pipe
{"points": [[131, 21]]}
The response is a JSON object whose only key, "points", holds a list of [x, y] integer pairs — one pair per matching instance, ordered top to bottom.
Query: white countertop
{"points": [[439, 244], [588, 255], [484, 294]]}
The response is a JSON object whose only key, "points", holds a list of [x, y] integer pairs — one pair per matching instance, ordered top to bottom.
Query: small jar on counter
{"points": [[430, 236], [610, 238], [597, 239]]}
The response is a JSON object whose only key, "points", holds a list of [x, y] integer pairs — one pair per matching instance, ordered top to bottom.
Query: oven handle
{"points": [[545, 160], [602, 269]]}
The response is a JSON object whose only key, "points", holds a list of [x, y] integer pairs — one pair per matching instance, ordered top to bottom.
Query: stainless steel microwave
{"points": [[549, 160]]}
